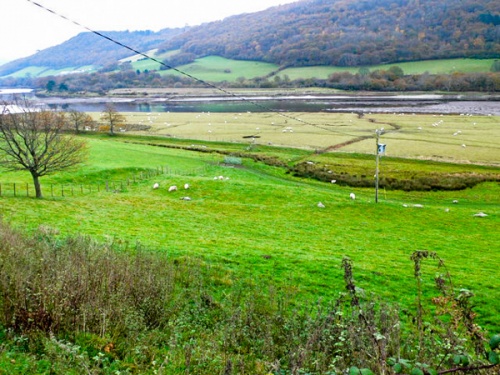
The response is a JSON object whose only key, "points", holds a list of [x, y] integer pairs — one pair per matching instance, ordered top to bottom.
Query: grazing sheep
{"points": [[333, 181], [156, 185], [186, 186], [172, 188], [352, 196], [185, 199], [455, 201], [321, 205], [418, 206], [480, 214]]}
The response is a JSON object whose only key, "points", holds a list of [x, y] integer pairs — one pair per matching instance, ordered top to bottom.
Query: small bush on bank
{"points": [[75, 306]]}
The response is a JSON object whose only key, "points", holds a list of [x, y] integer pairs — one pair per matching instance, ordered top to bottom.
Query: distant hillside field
{"points": [[445, 66], [219, 69]]}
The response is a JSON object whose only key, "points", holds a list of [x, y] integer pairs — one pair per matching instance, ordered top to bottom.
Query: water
{"points": [[424, 103]]}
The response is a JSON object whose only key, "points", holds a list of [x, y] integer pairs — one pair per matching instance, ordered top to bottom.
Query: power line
{"points": [[203, 82]]}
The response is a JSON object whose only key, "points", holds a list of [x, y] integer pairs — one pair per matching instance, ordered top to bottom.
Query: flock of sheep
{"points": [[352, 196]]}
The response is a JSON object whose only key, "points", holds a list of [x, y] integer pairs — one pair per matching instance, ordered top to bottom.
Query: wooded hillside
{"points": [[352, 32], [305, 33]]}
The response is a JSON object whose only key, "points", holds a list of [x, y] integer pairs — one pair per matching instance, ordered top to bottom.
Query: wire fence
{"points": [[27, 189]]}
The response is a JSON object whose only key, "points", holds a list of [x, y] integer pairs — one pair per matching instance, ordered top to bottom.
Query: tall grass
{"points": [[76, 306]]}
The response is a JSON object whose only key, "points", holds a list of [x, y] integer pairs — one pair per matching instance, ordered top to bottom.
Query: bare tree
{"points": [[112, 117], [80, 120], [32, 140]]}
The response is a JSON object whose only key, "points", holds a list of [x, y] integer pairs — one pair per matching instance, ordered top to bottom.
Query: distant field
{"points": [[417, 67], [219, 69], [37, 71], [467, 139]]}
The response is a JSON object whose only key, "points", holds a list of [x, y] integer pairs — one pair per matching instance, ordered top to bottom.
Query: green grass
{"points": [[417, 67], [218, 69], [38, 71], [407, 136], [262, 224]]}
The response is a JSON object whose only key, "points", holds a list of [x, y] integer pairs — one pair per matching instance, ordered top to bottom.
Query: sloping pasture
{"points": [[260, 224]]}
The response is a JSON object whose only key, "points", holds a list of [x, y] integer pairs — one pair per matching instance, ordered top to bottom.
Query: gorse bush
{"points": [[76, 306]]}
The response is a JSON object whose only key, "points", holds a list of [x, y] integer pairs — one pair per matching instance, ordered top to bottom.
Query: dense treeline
{"points": [[351, 33], [392, 79]]}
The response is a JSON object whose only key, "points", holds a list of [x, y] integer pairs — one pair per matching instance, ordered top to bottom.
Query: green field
{"points": [[416, 67], [219, 69], [409, 136], [260, 223]]}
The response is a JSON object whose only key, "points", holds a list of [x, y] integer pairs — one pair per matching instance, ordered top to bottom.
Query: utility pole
{"points": [[380, 150]]}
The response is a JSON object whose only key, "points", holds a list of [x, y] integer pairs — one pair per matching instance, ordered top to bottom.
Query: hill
{"points": [[342, 33], [351, 33], [89, 49]]}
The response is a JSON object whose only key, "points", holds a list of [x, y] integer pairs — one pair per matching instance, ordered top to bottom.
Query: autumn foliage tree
{"points": [[112, 117], [79, 120], [33, 140]]}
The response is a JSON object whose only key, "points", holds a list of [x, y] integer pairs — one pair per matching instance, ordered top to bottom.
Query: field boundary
{"points": [[54, 190]]}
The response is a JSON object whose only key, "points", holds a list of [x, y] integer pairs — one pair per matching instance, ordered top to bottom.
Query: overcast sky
{"points": [[26, 28]]}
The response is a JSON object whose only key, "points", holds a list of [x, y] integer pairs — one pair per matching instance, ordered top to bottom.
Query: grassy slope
{"points": [[416, 67], [218, 69], [266, 226]]}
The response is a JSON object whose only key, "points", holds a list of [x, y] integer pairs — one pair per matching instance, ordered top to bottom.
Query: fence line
{"points": [[19, 189]]}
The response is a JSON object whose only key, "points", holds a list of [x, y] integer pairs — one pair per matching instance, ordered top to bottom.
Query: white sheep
{"points": [[156, 185], [186, 186], [172, 188], [352, 196], [185, 199], [321, 205], [480, 214]]}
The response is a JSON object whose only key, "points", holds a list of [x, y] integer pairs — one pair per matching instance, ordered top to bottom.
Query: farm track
{"points": [[395, 128]]}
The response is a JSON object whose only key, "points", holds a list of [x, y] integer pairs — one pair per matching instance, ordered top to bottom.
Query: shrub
{"points": [[103, 308]]}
